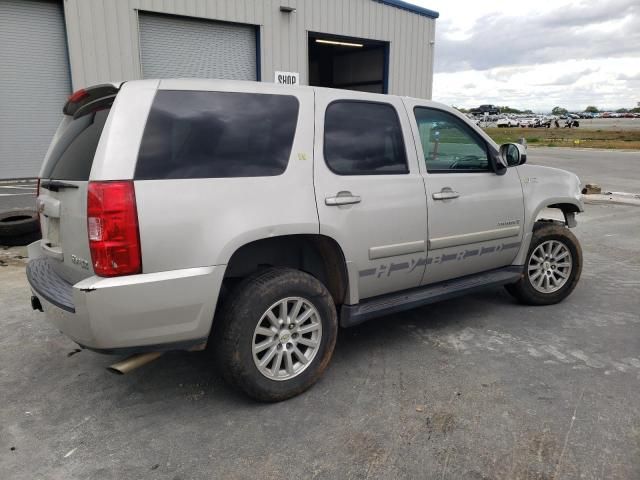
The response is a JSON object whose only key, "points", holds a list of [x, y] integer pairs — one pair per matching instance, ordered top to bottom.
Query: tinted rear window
{"points": [[217, 134], [363, 138], [72, 156]]}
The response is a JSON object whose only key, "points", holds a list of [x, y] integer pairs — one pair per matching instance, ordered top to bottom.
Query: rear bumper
{"points": [[155, 311]]}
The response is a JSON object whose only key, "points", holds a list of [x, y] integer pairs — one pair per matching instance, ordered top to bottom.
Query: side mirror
{"points": [[513, 154]]}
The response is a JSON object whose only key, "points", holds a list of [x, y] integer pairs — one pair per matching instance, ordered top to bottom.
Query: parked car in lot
{"points": [[488, 109], [507, 122], [528, 122], [258, 218]]}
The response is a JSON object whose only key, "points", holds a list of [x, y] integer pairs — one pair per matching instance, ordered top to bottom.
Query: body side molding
{"points": [[476, 237], [395, 249]]}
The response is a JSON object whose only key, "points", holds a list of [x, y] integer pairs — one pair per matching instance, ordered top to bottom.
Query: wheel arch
{"points": [[569, 206], [318, 255]]}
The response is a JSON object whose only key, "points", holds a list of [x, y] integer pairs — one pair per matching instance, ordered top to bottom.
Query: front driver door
{"points": [[475, 217]]}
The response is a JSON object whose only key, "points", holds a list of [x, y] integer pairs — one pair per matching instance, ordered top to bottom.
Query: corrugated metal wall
{"points": [[103, 35], [177, 46], [34, 83]]}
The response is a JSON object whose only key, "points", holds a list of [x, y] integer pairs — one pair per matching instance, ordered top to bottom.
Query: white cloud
{"points": [[538, 54]]}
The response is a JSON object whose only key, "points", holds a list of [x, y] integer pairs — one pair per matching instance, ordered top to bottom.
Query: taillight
{"points": [[78, 95], [112, 222]]}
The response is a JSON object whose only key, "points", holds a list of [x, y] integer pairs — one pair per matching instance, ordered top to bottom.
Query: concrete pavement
{"points": [[613, 170], [17, 194]]}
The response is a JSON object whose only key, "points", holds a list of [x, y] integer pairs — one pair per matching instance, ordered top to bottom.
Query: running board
{"points": [[351, 315]]}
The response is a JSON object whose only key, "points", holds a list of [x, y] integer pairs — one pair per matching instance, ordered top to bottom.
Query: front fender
{"points": [[545, 187]]}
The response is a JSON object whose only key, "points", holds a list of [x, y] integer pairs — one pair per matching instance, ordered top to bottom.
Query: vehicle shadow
{"points": [[194, 376]]}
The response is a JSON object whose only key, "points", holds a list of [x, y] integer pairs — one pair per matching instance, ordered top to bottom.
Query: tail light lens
{"points": [[112, 221]]}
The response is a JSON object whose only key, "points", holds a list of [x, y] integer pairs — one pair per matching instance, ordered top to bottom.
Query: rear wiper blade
{"points": [[55, 185]]}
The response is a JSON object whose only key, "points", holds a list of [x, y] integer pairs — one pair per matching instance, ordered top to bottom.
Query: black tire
{"points": [[17, 222], [20, 240], [524, 291], [241, 313]]}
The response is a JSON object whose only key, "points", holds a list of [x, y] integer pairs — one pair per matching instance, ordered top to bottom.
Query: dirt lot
{"points": [[474, 388]]}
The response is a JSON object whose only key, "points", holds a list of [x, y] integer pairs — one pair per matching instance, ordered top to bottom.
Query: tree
{"points": [[507, 109], [591, 109], [622, 110], [559, 111]]}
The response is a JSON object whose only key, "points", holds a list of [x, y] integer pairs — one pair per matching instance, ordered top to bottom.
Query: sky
{"points": [[537, 54]]}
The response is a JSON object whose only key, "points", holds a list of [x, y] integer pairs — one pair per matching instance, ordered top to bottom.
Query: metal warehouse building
{"points": [[50, 48]]}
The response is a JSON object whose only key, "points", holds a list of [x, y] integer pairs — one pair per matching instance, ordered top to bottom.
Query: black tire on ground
{"points": [[18, 222], [21, 240], [524, 291], [243, 309]]}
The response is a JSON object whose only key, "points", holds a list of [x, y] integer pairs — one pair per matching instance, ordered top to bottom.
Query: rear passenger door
{"points": [[369, 191]]}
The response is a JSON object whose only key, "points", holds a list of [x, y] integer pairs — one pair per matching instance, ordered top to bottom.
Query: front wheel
{"points": [[552, 268], [277, 334]]}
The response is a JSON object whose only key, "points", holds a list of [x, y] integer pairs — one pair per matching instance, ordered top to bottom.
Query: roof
{"points": [[410, 7]]}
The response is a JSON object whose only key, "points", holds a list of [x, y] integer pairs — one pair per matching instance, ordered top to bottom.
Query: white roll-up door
{"points": [[179, 47], [34, 83]]}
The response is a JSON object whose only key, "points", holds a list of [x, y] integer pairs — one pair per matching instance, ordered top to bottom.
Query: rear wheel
{"points": [[552, 268], [276, 334]]}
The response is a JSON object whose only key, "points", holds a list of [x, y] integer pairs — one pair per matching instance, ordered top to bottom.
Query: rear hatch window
{"points": [[72, 155]]}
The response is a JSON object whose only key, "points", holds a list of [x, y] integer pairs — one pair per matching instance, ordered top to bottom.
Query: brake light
{"points": [[77, 96], [112, 223]]}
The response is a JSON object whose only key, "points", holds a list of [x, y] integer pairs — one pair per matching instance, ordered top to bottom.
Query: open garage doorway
{"points": [[348, 63]]}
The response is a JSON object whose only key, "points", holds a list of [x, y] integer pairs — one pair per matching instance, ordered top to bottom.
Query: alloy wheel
{"points": [[287, 338]]}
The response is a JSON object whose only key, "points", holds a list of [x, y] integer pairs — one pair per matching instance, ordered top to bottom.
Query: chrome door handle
{"points": [[445, 194], [342, 198]]}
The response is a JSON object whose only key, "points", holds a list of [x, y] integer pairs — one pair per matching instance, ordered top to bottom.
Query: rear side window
{"points": [[217, 134], [363, 138], [71, 157]]}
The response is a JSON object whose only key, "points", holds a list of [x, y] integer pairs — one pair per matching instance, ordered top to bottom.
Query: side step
{"points": [[351, 315]]}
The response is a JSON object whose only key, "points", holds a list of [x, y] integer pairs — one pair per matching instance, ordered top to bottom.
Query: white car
{"points": [[528, 122], [507, 123]]}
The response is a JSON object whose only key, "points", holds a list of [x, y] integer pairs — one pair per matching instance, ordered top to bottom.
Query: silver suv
{"points": [[257, 218]]}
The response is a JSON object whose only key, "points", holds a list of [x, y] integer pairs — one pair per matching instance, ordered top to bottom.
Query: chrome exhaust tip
{"points": [[133, 362]]}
